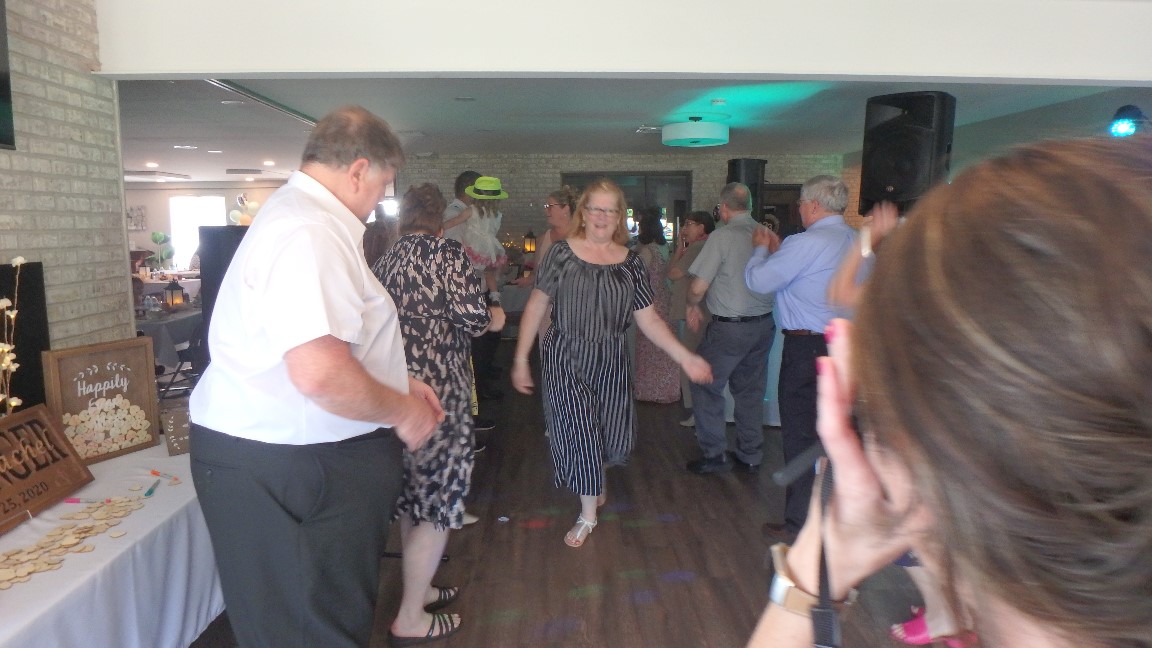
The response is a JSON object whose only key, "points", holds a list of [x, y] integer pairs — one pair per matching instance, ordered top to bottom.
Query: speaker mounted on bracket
{"points": [[907, 146]]}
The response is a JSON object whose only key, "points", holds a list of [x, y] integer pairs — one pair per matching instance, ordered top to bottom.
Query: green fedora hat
{"points": [[486, 188]]}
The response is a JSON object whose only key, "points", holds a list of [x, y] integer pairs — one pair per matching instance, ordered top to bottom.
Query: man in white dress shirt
{"points": [[299, 421]]}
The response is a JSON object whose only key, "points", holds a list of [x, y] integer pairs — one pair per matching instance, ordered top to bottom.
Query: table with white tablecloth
{"points": [[170, 331], [154, 587]]}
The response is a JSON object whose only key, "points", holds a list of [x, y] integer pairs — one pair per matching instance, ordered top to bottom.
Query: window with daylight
{"points": [[187, 214]]}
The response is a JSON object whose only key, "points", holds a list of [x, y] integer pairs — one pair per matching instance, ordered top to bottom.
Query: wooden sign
{"points": [[105, 396], [176, 430], [38, 466]]}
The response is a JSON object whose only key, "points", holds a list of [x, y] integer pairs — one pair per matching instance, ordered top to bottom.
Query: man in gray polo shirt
{"points": [[736, 342]]}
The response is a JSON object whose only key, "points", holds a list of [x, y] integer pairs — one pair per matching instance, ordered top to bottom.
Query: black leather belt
{"points": [[742, 318], [800, 332]]}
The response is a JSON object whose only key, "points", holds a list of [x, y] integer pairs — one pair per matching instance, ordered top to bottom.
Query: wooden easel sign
{"points": [[38, 466]]}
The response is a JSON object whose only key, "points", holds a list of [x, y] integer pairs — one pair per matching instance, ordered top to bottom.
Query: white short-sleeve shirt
{"points": [[298, 275]]}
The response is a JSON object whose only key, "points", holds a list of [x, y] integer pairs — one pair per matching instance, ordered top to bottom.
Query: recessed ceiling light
{"points": [[185, 147], [215, 151], [269, 163], [151, 165], [249, 179]]}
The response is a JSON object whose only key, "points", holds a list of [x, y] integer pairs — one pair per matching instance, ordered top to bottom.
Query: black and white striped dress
{"points": [[584, 362]]}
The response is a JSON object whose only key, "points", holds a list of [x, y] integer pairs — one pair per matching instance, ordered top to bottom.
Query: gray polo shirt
{"points": [[721, 263]]}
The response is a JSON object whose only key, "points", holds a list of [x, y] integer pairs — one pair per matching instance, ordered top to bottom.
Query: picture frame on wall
{"points": [[136, 218], [104, 395]]}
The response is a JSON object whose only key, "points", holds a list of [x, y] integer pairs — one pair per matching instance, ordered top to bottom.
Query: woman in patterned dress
{"points": [[595, 287], [441, 305], [657, 375]]}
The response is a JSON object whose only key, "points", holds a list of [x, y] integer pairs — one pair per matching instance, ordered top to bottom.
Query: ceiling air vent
{"points": [[243, 171], [153, 176]]}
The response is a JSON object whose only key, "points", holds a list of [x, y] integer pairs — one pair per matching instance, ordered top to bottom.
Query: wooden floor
{"points": [[676, 560]]}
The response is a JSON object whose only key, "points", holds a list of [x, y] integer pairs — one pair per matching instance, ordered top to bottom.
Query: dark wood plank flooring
{"points": [[676, 560]]}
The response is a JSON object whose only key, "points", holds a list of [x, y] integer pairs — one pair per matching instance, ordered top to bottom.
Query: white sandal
{"points": [[579, 532]]}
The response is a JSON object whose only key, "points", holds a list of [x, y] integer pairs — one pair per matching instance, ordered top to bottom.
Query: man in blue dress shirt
{"points": [[798, 270]]}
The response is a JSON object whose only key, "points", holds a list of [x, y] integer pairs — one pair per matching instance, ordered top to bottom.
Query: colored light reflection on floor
{"points": [[535, 524], [678, 577], [588, 591], [643, 597], [506, 617], [555, 629]]}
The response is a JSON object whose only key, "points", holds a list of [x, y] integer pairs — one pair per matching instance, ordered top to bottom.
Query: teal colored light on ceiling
{"points": [[745, 105]]}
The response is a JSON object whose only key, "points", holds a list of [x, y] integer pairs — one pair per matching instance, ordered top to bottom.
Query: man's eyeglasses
{"points": [[551, 205], [611, 211]]}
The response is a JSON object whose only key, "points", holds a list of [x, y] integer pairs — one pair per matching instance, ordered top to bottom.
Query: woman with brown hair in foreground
{"points": [[1001, 376]]}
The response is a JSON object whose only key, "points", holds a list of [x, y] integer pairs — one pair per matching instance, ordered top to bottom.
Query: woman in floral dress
{"points": [[441, 306], [657, 375]]}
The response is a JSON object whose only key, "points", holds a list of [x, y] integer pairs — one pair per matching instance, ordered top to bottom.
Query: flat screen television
{"points": [[7, 128]]}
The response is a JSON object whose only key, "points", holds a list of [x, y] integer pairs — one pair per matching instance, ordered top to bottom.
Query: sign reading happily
{"points": [[105, 396]]}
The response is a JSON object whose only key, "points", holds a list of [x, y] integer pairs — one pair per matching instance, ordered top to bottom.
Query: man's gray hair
{"points": [[350, 133], [829, 191], [736, 196]]}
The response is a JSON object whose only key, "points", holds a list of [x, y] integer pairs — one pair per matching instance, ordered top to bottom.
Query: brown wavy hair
{"points": [[602, 185], [422, 209], [1006, 363]]}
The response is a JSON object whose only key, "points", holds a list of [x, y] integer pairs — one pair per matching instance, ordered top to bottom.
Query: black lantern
{"points": [[529, 242], [173, 294]]}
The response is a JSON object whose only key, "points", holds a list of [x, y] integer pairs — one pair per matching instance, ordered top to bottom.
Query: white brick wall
{"points": [[529, 178], [60, 190]]}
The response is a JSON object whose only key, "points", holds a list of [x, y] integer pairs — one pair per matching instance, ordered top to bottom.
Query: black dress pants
{"points": [[798, 417], [298, 531]]}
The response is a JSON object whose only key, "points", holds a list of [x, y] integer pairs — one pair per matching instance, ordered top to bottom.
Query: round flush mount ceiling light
{"points": [[694, 133]]}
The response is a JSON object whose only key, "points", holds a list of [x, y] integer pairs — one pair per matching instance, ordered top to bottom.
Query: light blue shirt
{"points": [[799, 272]]}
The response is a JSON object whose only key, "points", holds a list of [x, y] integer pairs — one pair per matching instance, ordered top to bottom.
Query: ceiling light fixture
{"points": [[1128, 120], [694, 133], [184, 147], [269, 163], [151, 165]]}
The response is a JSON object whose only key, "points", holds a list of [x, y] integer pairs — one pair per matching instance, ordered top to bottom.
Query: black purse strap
{"points": [[825, 617]]}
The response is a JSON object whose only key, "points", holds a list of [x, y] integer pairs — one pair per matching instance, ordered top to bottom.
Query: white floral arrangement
{"points": [[8, 364]]}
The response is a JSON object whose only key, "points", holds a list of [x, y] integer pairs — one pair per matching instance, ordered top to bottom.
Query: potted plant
{"points": [[159, 259]]}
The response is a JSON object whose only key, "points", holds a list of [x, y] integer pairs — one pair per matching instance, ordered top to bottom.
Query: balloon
{"points": [[252, 207], [234, 216], [245, 219]]}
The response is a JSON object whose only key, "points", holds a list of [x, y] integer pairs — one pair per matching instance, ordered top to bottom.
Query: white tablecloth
{"points": [[155, 587]]}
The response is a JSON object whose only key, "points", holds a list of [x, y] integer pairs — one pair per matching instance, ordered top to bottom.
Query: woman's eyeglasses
{"points": [[551, 205], [611, 211]]}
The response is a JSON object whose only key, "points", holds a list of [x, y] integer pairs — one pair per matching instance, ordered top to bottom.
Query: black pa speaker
{"points": [[907, 146], [750, 172], [218, 244]]}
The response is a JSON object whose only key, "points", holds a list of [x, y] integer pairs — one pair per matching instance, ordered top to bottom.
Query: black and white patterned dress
{"points": [[441, 303], [584, 361]]}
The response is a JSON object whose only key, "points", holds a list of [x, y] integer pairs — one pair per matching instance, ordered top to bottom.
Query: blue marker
{"points": [[151, 489]]}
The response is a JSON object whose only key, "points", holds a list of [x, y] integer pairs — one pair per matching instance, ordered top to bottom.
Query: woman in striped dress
{"points": [[595, 287]]}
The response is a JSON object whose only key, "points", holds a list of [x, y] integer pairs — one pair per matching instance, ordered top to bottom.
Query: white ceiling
{"points": [[573, 115]]}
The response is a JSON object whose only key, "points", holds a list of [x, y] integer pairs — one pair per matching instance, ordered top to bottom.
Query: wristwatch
{"points": [[494, 298], [785, 593]]}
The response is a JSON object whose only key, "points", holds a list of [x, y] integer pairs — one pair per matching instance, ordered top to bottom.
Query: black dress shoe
{"points": [[709, 465], [743, 466]]}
